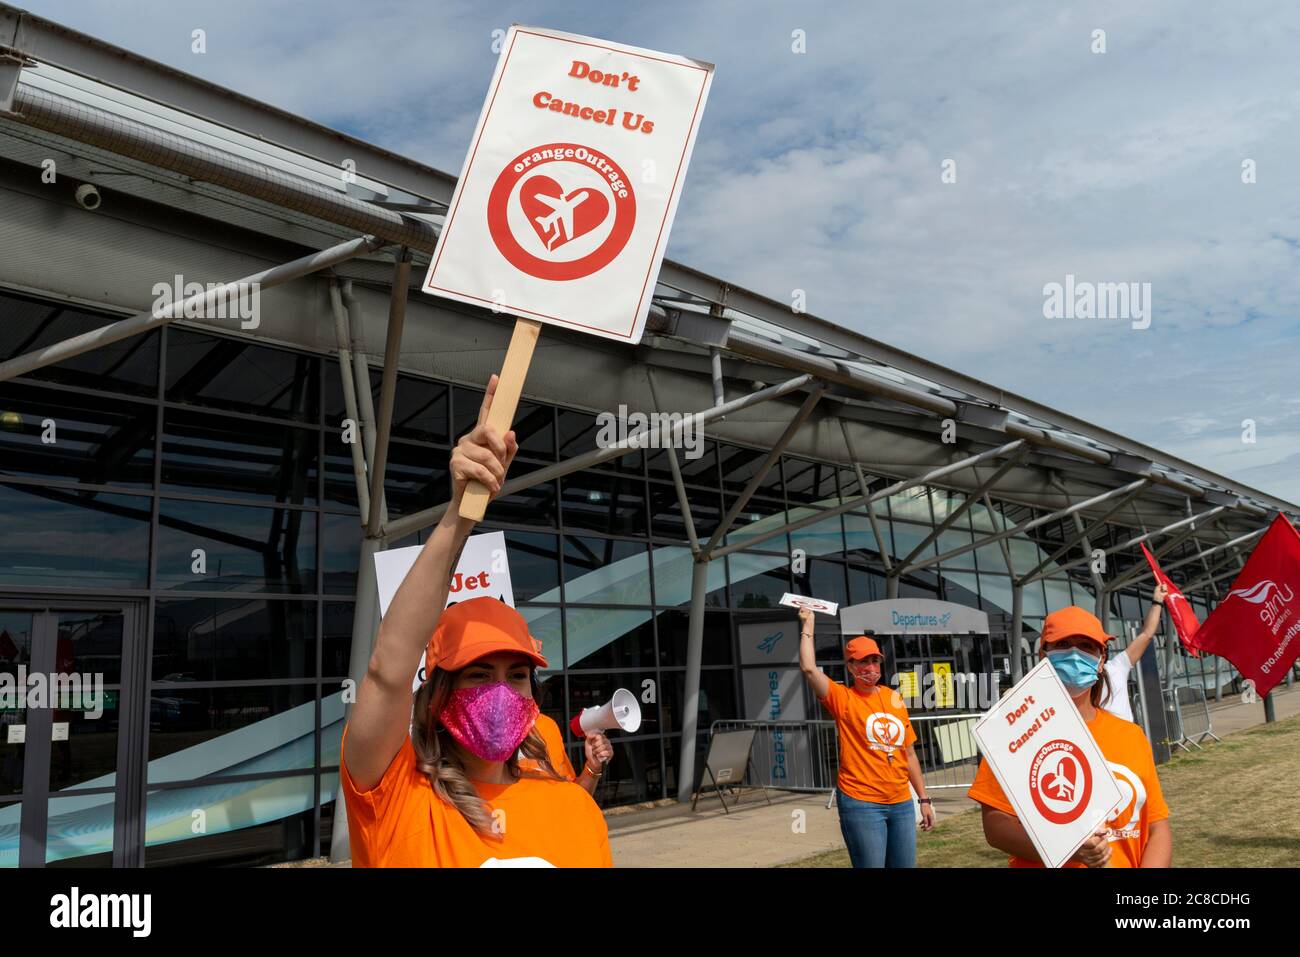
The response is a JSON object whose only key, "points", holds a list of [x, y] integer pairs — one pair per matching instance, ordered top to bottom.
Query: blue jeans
{"points": [[878, 835]]}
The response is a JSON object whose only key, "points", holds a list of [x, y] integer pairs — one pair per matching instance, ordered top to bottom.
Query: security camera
{"points": [[88, 197]]}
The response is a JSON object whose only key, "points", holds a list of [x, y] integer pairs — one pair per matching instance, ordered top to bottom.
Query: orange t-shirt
{"points": [[874, 729], [554, 740], [1128, 753], [401, 822]]}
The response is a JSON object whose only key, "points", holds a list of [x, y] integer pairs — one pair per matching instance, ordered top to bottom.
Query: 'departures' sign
{"points": [[564, 205], [482, 571], [1048, 764]]}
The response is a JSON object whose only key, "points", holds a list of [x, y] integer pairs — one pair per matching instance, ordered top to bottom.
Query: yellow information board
{"points": [[908, 685], [943, 687]]}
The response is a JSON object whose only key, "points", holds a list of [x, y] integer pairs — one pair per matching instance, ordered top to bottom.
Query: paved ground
{"points": [[756, 835]]}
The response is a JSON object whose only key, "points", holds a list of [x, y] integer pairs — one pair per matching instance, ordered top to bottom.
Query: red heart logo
{"points": [[559, 217]]}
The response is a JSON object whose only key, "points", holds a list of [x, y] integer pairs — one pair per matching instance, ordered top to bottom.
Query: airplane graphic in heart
{"points": [[558, 217], [885, 729], [1061, 781]]}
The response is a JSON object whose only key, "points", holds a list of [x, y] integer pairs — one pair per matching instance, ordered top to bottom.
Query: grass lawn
{"points": [[1232, 805]]}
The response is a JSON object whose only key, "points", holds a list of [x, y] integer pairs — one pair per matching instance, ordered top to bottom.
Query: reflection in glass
{"points": [[26, 325], [238, 376], [578, 433], [96, 440], [239, 458], [740, 465], [702, 470], [417, 477], [810, 482], [604, 503], [534, 506], [758, 516], [667, 521], [825, 537], [93, 539], [243, 548], [340, 548], [534, 566], [673, 568], [606, 571], [825, 580], [758, 581], [546, 624], [673, 633], [610, 637], [336, 638], [233, 639], [15, 650], [717, 699], [255, 728], [87, 756], [635, 773], [247, 823], [79, 832]]}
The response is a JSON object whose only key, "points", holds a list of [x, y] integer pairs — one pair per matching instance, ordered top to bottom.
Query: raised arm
{"points": [[1143, 638], [821, 685], [381, 716]]}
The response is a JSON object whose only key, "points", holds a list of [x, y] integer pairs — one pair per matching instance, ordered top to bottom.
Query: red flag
{"points": [[1185, 622], [1257, 627]]}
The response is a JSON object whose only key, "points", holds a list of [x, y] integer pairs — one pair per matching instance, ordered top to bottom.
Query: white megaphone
{"points": [[620, 711]]}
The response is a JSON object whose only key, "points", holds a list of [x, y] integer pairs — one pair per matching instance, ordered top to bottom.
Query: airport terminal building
{"points": [[181, 513]]}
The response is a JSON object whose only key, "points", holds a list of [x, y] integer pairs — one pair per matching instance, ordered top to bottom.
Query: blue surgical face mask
{"points": [[1076, 669]]}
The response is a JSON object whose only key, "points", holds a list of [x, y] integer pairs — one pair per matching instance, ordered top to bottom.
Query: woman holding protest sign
{"points": [[877, 757], [455, 791], [1137, 834]]}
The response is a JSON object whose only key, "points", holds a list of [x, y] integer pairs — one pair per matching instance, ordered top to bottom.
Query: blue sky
{"points": [[821, 171]]}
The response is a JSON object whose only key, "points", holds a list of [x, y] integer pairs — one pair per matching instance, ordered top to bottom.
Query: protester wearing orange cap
{"points": [[877, 757], [470, 784], [1137, 834]]}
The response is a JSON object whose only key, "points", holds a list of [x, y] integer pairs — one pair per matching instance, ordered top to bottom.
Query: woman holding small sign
{"points": [[877, 757], [471, 784], [1137, 834]]}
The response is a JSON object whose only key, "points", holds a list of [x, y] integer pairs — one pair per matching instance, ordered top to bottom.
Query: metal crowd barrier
{"points": [[1194, 714], [1174, 723], [804, 755]]}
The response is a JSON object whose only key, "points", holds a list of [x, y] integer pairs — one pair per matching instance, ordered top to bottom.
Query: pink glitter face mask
{"points": [[490, 721]]}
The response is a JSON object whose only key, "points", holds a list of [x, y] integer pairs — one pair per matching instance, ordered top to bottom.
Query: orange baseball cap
{"points": [[1070, 621], [468, 630], [861, 646]]}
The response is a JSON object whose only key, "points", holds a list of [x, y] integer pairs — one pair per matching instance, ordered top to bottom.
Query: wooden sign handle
{"points": [[502, 414]]}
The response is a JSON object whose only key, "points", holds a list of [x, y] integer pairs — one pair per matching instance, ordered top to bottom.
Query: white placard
{"points": [[569, 188], [482, 571], [813, 604], [59, 731], [17, 734], [1048, 764]]}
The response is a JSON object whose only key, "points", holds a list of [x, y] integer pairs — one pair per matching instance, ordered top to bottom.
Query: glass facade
{"points": [[204, 482]]}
